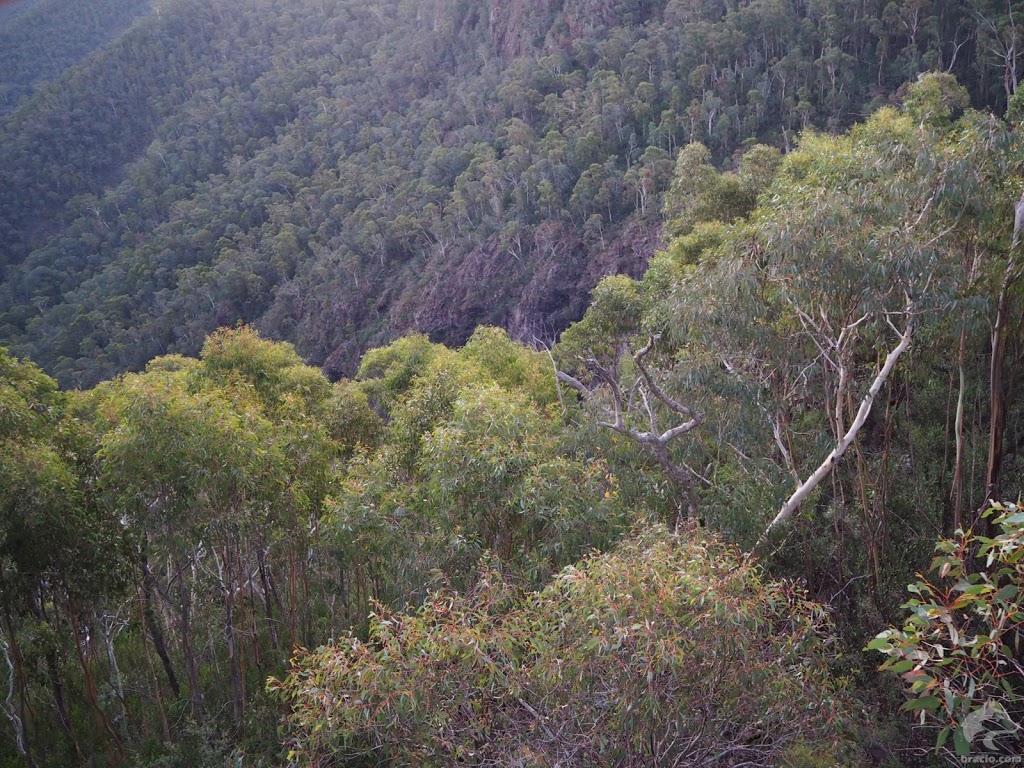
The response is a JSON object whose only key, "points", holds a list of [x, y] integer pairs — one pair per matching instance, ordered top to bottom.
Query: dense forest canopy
{"points": [[40, 40], [340, 172], [534, 383], [476, 540]]}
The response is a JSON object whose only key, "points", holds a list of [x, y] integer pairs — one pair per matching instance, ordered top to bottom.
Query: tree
{"points": [[839, 285], [599, 345], [59, 556]]}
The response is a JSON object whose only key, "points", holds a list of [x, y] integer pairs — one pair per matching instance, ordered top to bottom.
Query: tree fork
{"points": [[826, 467]]}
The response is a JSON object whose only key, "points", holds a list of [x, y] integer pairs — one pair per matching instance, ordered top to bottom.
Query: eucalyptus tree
{"points": [[863, 242], [620, 356], [618, 381], [476, 457], [219, 467], [186, 469], [59, 556], [667, 650]]}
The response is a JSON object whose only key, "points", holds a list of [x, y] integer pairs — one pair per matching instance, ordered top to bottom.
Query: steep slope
{"points": [[39, 40], [339, 172]]}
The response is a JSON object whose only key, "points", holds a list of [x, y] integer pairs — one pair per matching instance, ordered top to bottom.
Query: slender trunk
{"points": [[998, 394], [997, 404], [958, 431], [826, 467], [680, 475], [881, 501], [867, 515], [265, 582], [245, 584], [227, 586], [343, 591], [292, 595], [306, 612], [149, 621], [185, 629], [107, 632], [16, 680], [154, 683], [60, 705], [113, 744]]}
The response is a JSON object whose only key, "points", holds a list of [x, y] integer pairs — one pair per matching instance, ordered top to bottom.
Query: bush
{"points": [[670, 650], [960, 650]]}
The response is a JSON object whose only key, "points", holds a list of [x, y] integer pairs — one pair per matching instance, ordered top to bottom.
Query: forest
{"points": [[337, 173], [539, 383]]}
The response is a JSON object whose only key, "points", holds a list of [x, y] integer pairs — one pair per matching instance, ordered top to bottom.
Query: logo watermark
{"points": [[994, 740], [991, 760]]}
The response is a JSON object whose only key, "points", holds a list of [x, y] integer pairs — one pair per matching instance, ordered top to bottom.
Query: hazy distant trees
{"points": [[335, 174]]}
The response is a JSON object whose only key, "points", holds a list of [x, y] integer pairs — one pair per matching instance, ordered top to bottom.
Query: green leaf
{"points": [[1013, 519], [978, 589], [1008, 592], [880, 642], [930, 703], [960, 743]]}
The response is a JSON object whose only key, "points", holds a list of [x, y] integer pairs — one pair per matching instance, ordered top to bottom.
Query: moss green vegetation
{"points": [[476, 540]]}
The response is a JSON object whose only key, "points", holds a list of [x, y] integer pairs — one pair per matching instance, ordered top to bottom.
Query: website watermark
{"points": [[992, 741]]}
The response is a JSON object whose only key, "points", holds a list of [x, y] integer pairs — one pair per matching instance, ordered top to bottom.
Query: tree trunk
{"points": [[999, 395], [958, 429], [826, 467], [680, 475], [261, 561], [227, 587], [292, 595], [151, 625], [185, 630], [107, 633], [17, 671], [60, 705], [164, 724], [112, 741]]}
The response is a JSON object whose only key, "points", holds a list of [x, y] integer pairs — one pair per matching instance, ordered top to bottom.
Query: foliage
{"points": [[66, 33], [339, 173], [475, 457], [669, 649], [959, 651]]}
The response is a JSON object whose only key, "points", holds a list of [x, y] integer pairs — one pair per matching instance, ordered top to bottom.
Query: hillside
{"points": [[40, 39], [340, 172], [683, 534]]}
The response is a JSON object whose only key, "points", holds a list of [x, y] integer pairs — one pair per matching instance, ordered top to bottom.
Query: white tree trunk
{"points": [[793, 503]]}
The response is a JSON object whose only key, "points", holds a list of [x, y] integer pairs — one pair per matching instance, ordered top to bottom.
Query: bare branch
{"points": [[554, 367], [576, 384], [624, 403], [672, 403], [681, 429], [781, 444], [826, 467]]}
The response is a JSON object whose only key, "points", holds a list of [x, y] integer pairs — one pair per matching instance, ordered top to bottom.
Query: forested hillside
{"points": [[39, 39], [339, 172], [530, 383], [682, 534]]}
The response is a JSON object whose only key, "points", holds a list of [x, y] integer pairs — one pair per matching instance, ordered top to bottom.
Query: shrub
{"points": [[960, 649], [671, 650]]}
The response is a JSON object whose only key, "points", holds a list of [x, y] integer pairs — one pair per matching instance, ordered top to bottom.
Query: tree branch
{"points": [[826, 467]]}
